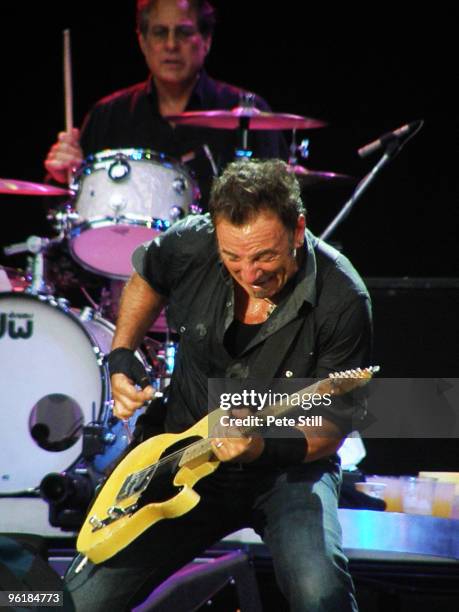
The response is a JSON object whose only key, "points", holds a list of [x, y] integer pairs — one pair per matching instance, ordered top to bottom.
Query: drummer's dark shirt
{"points": [[130, 118], [322, 325]]}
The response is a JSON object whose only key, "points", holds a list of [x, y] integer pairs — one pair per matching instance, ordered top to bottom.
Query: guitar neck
{"points": [[284, 407], [198, 449]]}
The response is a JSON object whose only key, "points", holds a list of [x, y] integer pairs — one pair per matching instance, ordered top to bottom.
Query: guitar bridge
{"points": [[113, 514]]}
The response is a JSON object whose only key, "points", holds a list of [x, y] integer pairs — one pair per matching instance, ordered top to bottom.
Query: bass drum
{"points": [[125, 197], [53, 382]]}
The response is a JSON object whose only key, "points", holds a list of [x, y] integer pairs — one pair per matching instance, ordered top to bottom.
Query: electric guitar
{"points": [[155, 480]]}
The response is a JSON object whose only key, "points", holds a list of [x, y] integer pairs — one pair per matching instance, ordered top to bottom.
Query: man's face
{"points": [[173, 47], [259, 255]]}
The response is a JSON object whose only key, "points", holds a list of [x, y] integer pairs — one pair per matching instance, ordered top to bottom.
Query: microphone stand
{"points": [[391, 151]]}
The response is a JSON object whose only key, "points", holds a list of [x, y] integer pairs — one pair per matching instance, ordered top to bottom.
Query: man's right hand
{"points": [[64, 156], [127, 397]]}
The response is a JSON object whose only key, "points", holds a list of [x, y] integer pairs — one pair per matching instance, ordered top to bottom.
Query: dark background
{"points": [[363, 72]]}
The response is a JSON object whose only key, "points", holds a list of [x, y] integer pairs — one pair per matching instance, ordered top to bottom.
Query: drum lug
{"points": [[179, 185], [176, 213], [63, 303], [87, 314]]}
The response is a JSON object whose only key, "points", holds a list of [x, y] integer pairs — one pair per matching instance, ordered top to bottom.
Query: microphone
{"points": [[406, 131]]}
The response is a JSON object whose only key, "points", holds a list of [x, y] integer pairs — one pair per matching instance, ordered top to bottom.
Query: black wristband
{"points": [[123, 361], [282, 452]]}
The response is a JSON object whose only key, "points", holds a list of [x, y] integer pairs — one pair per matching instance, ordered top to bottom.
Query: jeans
{"points": [[294, 511]]}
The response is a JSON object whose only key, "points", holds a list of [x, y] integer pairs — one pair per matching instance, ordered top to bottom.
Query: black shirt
{"points": [[130, 118], [322, 325]]}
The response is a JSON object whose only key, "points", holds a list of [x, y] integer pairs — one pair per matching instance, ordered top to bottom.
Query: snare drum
{"points": [[125, 197], [53, 381]]}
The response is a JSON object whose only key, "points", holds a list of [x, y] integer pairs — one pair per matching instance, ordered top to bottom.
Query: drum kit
{"points": [[54, 380]]}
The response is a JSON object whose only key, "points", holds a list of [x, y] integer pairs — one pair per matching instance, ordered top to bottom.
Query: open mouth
{"points": [[261, 283]]}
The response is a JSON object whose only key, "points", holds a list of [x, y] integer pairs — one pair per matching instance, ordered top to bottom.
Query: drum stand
{"points": [[36, 269]]}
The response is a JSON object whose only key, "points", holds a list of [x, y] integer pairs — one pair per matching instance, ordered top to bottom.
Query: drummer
{"points": [[175, 37]]}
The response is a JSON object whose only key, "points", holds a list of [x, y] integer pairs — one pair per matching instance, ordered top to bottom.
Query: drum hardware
{"points": [[295, 149], [120, 168], [305, 176], [176, 213], [63, 219], [36, 268]]}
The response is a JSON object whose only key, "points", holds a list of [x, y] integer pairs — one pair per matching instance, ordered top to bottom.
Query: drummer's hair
{"points": [[205, 12], [248, 187]]}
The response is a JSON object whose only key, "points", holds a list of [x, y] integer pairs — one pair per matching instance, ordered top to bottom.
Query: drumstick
{"points": [[68, 93]]}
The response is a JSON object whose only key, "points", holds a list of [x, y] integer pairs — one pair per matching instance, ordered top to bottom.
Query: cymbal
{"points": [[257, 119], [308, 177], [15, 187]]}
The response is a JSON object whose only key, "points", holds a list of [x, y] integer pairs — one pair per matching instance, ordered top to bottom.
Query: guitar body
{"points": [[156, 479], [168, 494]]}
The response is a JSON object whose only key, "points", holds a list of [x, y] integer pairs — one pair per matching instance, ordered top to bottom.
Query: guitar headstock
{"points": [[339, 383]]}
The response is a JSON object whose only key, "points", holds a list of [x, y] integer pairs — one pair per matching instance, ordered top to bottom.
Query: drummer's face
{"points": [[173, 47], [260, 255]]}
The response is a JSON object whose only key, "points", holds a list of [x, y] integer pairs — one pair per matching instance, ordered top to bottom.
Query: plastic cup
{"points": [[373, 489], [392, 492], [418, 495], [443, 499]]}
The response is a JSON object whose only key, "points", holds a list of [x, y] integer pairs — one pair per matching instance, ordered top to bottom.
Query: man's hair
{"points": [[204, 10], [248, 187]]}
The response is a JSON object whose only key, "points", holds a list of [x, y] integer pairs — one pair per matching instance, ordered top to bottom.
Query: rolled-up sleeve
{"points": [[147, 261], [346, 344]]}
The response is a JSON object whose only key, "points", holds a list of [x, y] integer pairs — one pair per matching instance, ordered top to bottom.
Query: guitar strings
{"points": [[167, 459]]}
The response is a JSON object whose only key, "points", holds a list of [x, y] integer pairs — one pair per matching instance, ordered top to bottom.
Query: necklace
{"points": [[271, 307]]}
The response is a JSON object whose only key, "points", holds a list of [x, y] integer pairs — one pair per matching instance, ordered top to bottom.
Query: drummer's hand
{"points": [[65, 155], [127, 397]]}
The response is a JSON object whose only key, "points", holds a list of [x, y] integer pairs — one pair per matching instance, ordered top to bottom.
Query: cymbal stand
{"points": [[247, 102], [294, 149], [37, 266]]}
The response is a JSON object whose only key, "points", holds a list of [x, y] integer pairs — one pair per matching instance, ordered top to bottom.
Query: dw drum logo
{"points": [[16, 325]]}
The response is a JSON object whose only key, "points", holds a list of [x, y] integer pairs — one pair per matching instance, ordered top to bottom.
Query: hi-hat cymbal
{"points": [[234, 118], [308, 177], [15, 187]]}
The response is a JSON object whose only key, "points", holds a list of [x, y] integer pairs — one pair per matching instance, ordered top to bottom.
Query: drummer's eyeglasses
{"points": [[181, 33]]}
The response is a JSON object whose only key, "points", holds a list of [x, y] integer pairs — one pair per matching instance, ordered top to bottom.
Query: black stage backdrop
{"points": [[363, 70]]}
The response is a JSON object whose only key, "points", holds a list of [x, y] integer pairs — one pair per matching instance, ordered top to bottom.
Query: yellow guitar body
{"points": [[123, 508], [99, 544]]}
